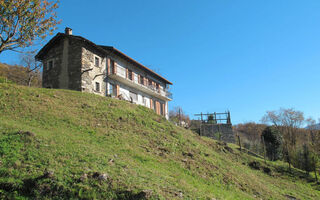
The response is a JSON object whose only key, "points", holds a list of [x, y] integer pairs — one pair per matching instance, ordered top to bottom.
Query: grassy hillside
{"points": [[66, 144]]}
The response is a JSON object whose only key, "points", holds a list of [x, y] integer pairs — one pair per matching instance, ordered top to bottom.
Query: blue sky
{"points": [[245, 56]]}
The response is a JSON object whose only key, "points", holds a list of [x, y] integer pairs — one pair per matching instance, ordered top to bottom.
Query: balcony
{"points": [[120, 75]]}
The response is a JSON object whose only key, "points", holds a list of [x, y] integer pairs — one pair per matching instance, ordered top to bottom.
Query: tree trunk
{"points": [[30, 80], [264, 149], [288, 157], [306, 159], [315, 169]]}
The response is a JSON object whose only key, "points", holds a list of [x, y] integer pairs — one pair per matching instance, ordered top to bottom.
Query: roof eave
{"points": [[42, 50], [39, 55], [136, 62]]}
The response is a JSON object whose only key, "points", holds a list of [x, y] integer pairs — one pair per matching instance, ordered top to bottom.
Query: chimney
{"points": [[68, 31]]}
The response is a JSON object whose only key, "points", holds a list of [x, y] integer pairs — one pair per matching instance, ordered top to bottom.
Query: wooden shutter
{"points": [[108, 66], [114, 67], [127, 73], [139, 78], [117, 90], [151, 104], [157, 107], [163, 109]]}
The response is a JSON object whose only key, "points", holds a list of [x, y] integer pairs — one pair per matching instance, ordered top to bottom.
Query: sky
{"points": [[245, 56]]}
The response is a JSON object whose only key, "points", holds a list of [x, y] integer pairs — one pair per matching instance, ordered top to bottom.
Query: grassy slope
{"points": [[77, 133]]}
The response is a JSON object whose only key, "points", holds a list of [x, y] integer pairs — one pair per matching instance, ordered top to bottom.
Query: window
{"points": [[96, 61], [50, 65], [112, 69], [130, 74], [141, 80], [150, 82], [97, 87], [112, 89], [133, 96], [144, 99], [155, 103], [161, 109]]}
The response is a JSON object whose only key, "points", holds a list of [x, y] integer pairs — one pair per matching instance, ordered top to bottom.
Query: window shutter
{"points": [[108, 66], [114, 67], [117, 90], [151, 104], [159, 109], [163, 109]]}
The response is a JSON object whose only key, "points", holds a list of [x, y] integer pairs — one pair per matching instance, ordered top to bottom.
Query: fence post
{"points": [[239, 142], [264, 149]]}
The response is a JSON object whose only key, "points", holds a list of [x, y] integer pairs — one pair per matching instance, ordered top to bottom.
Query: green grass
{"points": [[77, 133]]}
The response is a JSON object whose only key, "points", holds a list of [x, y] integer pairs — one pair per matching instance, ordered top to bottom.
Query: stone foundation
{"points": [[221, 132]]}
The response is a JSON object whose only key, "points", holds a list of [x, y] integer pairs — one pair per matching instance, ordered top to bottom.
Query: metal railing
{"points": [[122, 73], [165, 93], [168, 94]]}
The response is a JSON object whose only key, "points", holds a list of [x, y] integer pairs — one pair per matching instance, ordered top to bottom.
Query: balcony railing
{"points": [[121, 72], [168, 94]]}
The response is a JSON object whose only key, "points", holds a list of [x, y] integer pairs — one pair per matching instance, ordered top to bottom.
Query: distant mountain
{"points": [[314, 127]]}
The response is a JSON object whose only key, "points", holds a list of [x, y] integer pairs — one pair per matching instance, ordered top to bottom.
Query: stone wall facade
{"points": [[73, 62], [74, 65], [66, 70], [92, 74], [50, 77], [221, 132]]}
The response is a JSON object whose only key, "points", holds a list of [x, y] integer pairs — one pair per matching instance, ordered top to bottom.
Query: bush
{"points": [[4, 80], [273, 141]]}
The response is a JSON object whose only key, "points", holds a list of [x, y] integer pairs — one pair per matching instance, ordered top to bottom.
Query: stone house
{"points": [[75, 63]]}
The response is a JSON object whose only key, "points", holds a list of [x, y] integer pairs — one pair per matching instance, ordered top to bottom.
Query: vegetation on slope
{"points": [[20, 75], [66, 144]]}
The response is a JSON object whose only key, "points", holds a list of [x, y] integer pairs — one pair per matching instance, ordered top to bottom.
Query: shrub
{"points": [[4, 80], [273, 141]]}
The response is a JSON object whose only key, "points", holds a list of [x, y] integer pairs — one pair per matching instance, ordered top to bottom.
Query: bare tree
{"points": [[33, 68], [178, 116], [288, 121], [314, 144]]}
